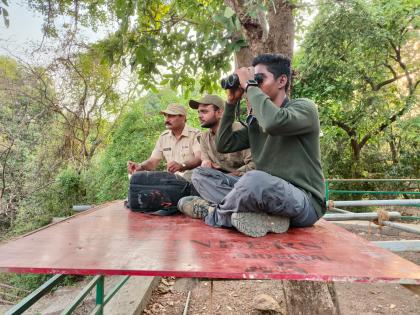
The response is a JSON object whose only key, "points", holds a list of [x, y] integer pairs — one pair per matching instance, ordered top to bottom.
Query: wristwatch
{"points": [[249, 83], [184, 166]]}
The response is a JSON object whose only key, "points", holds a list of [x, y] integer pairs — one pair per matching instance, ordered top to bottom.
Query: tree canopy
{"points": [[360, 65]]}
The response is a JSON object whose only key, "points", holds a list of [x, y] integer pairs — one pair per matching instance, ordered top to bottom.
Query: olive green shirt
{"points": [[284, 141], [240, 161]]}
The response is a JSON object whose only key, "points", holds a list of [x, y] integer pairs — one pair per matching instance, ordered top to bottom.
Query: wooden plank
{"points": [[111, 240]]}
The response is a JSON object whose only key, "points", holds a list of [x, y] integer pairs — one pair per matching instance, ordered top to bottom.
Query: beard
{"points": [[209, 124]]}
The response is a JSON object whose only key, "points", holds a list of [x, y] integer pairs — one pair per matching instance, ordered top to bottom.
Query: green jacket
{"points": [[284, 142]]}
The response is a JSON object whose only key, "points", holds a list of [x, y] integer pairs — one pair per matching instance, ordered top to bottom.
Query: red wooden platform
{"points": [[111, 240]]}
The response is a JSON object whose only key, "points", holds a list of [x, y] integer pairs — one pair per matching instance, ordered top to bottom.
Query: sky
{"points": [[24, 26], [25, 30]]}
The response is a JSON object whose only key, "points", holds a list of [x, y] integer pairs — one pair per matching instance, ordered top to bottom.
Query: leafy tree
{"points": [[182, 41], [359, 64], [85, 96], [22, 127]]}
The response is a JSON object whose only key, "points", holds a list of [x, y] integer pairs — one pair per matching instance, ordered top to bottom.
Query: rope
{"points": [[383, 215]]}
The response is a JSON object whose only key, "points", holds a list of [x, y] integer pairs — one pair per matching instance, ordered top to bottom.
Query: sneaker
{"points": [[194, 207], [259, 224]]}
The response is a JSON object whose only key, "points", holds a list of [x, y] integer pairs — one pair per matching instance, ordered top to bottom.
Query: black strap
{"points": [[165, 212]]}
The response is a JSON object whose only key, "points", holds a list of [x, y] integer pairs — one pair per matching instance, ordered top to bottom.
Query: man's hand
{"points": [[244, 74], [233, 96], [206, 163], [133, 167], [174, 167], [236, 173]]}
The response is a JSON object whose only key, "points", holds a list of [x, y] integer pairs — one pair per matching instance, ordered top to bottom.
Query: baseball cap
{"points": [[208, 99], [174, 109]]}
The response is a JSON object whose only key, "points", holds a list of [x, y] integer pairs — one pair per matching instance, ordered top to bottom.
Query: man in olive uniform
{"points": [[178, 145], [223, 168]]}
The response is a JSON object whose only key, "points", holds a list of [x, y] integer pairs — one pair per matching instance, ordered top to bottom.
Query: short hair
{"points": [[277, 64]]}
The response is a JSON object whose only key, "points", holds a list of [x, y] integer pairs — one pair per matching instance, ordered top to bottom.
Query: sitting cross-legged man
{"points": [[178, 146], [218, 170], [287, 187]]}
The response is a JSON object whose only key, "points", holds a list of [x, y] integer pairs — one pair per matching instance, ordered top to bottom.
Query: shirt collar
{"points": [[285, 102], [184, 132]]}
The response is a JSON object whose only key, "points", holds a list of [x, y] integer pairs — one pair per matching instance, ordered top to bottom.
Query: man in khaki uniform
{"points": [[178, 145], [220, 167]]}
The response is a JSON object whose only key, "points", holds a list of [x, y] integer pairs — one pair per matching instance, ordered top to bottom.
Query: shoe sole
{"points": [[191, 214], [259, 224]]}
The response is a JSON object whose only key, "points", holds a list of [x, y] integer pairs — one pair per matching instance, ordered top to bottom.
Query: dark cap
{"points": [[208, 100]]}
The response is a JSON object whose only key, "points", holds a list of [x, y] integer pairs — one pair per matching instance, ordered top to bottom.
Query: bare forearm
{"points": [[193, 163], [149, 164]]}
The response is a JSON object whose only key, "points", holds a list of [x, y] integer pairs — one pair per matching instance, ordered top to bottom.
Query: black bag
{"points": [[157, 192]]}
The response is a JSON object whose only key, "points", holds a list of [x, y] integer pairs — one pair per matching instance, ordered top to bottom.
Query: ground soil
{"points": [[237, 297]]}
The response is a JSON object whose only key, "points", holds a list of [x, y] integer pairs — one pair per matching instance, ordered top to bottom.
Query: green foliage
{"points": [[173, 42], [358, 65], [23, 122], [133, 139], [57, 200]]}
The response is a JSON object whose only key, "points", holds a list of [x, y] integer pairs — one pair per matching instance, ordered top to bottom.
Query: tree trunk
{"points": [[269, 33], [281, 34], [356, 150], [394, 151], [309, 297]]}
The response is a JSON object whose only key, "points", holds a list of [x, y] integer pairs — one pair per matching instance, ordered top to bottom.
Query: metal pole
{"points": [[331, 180], [327, 190], [373, 192], [391, 202], [79, 208], [340, 210], [369, 216], [402, 227], [400, 246], [100, 295], [109, 296], [79, 298], [28, 301], [187, 303]]}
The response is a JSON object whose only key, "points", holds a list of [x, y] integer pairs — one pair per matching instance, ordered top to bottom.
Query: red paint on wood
{"points": [[112, 240]]}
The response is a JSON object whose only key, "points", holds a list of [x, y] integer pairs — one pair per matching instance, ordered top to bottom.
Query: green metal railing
{"points": [[329, 191], [97, 281], [28, 301]]}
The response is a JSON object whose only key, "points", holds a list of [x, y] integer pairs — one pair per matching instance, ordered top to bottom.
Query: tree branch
{"points": [[350, 131]]}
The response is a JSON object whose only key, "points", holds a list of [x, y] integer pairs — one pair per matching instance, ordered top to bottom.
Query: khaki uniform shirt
{"points": [[181, 150], [240, 161]]}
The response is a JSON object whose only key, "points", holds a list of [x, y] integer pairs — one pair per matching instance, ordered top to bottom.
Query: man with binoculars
{"points": [[287, 187]]}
